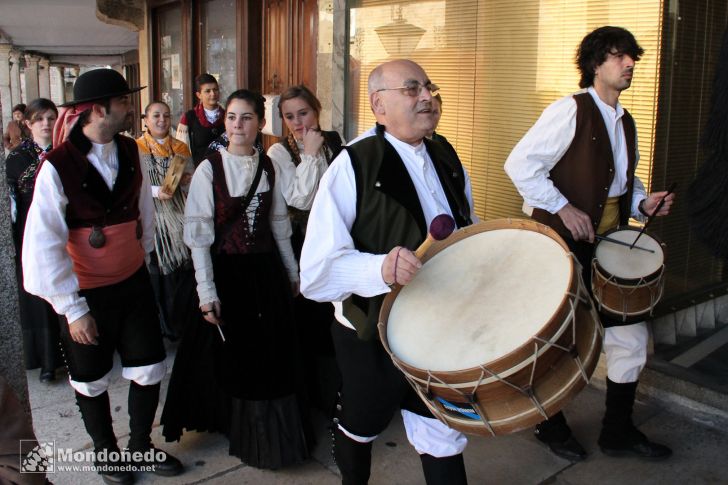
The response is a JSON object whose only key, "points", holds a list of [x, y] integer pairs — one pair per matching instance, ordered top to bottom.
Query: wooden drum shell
{"points": [[628, 299]]}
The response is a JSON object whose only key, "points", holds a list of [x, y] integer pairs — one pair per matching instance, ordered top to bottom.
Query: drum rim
{"points": [[463, 233], [649, 279]]}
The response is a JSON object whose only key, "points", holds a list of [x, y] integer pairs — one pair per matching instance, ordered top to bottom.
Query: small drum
{"points": [[628, 283], [497, 331]]}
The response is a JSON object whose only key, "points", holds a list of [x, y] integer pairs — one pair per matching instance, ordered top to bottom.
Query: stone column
{"points": [[75, 72], [15, 77], [44, 78], [58, 85], [32, 90], [5, 94], [11, 343]]}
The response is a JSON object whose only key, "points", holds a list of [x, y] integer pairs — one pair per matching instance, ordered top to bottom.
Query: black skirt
{"points": [[176, 297], [40, 326], [246, 387]]}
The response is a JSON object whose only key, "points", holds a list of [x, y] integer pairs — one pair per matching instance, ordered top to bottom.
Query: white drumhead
{"points": [[623, 262], [478, 300]]}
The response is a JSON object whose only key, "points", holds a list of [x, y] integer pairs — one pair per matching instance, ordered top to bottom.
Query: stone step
{"points": [[690, 322], [678, 390]]}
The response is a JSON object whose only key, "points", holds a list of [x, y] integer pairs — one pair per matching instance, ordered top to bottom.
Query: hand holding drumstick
{"points": [[401, 265]]}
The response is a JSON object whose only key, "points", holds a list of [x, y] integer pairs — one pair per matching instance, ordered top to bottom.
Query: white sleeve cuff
{"points": [[562, 201], [206, 289], [70, 305]]}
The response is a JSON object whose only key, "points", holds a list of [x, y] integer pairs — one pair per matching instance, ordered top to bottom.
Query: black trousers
{"points": [[127, 322], [373, 389]]}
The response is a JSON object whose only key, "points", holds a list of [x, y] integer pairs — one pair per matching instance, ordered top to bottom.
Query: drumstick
{"points": [[670, 190], [440, 228], [622, 243], [222, 335]]}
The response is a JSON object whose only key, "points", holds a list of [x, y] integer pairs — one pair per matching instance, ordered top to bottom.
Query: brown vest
{"points": [[585, 172]]}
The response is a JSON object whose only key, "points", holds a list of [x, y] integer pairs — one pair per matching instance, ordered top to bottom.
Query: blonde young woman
{"points": [[301, 158], [170, 267], [236, 371]]}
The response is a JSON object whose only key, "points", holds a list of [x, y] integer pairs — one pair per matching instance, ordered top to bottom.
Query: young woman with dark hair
{"points": [[37, 318], [236, 370]]}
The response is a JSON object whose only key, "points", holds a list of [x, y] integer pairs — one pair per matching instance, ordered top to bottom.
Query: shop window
{"points": [[218, 43], [170, 46], [498, 63]]}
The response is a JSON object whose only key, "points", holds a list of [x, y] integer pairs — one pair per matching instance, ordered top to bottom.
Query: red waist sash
{"points": [[118, 259]]}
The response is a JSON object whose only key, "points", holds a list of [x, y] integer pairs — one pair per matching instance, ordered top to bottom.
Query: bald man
{"points": [[373, 206]]}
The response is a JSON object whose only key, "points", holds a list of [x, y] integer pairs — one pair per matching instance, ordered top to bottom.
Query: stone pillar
{"points": [[75, 72], [15, 77], [44, 78], [58, 85], [32, 90], [5, 95], [11, 343]]}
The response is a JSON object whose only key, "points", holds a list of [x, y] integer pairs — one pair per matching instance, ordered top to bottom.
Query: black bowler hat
{"points": [[99, 84]]}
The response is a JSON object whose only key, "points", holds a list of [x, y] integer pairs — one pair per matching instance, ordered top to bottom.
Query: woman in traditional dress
{"points": [[201, 125], [300, 160], [236, 224], [170, 266], [38, 320]]}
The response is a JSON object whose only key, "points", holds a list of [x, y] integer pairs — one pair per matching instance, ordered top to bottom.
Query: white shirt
{"points": [[212, 114], [545, 144], [298, 183], [199, 230], [47, 267], [331, 268]]}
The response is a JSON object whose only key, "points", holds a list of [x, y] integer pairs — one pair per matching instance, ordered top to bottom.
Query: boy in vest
{"points": [[203, 124], [576, 169], [373, 206], [89, 230]]}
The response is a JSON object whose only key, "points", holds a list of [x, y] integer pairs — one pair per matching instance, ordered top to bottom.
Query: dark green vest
{"points": [[388, 211]]}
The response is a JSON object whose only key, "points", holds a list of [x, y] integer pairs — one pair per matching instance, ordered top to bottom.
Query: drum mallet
{"points": [[670, 190], [440, 228]]}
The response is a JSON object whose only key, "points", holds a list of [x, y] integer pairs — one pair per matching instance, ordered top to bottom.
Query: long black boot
{"points": [[143, 402], [96, 414], [555, 432], [619, 436], [354, 459], [448, 470]]}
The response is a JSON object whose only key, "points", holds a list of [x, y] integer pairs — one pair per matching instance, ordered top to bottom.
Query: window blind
{"points": [[499, 63]]}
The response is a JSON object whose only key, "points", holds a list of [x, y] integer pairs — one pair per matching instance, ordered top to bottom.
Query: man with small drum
{"points": [[576, 169]]}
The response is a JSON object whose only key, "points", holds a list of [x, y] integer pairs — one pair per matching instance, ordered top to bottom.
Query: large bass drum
{"points": [[497, 331]]}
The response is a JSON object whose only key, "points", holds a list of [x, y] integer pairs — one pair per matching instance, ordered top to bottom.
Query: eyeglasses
{"points": [[414, 88]]}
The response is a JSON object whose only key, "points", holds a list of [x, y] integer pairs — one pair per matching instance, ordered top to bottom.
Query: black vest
{"points": [[201, 136], [332, 143], [388, 211]]}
